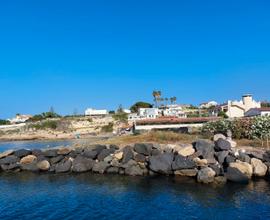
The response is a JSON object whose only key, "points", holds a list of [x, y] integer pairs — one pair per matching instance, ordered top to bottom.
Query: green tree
{"points": [[135, 108]]}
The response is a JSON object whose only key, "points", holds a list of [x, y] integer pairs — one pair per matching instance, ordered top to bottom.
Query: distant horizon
{"points": [[73, 55]]}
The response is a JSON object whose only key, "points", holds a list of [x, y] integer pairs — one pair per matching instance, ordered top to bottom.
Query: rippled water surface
{"points": [[89, 196]]}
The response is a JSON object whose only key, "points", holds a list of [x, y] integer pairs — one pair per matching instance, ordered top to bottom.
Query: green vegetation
{"points": [[266, 104], [134, 108], [222, 114], [44, 115], [123, 117], [4, 122], [45, 125], [107, 128], [250, 128]]}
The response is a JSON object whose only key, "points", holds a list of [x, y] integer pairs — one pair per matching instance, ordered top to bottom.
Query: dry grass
{"points": [[162, 137], [251, 143]]}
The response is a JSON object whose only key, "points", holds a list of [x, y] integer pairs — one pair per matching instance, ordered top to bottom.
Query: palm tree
{"points": [[156, 95], [166, 100]]}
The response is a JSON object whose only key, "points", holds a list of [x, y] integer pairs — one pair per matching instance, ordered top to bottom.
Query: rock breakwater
{"points": [[207, 161]]}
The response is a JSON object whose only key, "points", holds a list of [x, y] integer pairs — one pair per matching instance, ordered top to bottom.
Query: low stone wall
{"points": [[208, 162]]}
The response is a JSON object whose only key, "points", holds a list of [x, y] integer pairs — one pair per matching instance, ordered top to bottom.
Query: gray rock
{"points": [[219, 136], [221, 145], [114, 147], [98, 148], [143, 148], [205, 149], [36, 152], [155, 152], [6, 153], [22, 153], [50, 153], [105, 153], [92, 154], [127, 154], [256, 154], [221, 156], [266, 156], [244, 157], [140, 158], [230, 159], [9, 160], [55, 160], [181, 162], [162, 163], [82, 164], [63, 166], [8, 167], [30, 167], [100, 167], [217, 168], [113, 170], [134, 171], [206, 175], [234, 175]]}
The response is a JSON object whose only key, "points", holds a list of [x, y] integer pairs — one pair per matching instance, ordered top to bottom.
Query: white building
{"points": [[208, 104], [236, 109], [127, 111], [173, 111], [95, 112], [258, 112], [144, 113], [20, 119]]}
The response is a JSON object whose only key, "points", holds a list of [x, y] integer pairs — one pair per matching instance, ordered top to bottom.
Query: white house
{"points": [[208, 104], [236, 109], [127, 111], [173, 111], [95, 112], [258, 112], [148, 113], [20, 119]]}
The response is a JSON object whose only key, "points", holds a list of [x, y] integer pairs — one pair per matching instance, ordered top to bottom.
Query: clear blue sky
{"points": [[75, 54]]}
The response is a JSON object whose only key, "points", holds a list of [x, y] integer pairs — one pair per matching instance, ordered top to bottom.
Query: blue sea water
{"points": [[92, 196]]}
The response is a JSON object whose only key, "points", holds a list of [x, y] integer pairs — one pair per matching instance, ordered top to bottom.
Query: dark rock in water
{"points": [[222, 144], [115, 147], [98, 148], [143, 148], [205, 149], [36, 152], [155, 152], [22, 153], [50, 153], [105, 153], [90, 154], [127, 154], [221, 156], [244, 157], [41, 158], [140, 158], [9, 159], [230, 159], [54, 160], [181, 162], [161, 163], [82, 164], [63, 166], [8, 167], [30, 167], [100, 167], [217, 168], [113, 170], [134, 171], [206, 175], [235, 175]]}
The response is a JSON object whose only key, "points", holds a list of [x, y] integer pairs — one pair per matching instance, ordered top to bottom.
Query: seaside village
{"points": [[165, 113]]}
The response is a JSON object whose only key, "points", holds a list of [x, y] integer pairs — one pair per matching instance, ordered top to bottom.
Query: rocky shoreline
{"points": [[215, 161]]}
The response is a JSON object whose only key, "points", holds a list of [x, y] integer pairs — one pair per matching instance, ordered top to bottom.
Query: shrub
{"points": [[123, 117], [4, 122], [45, 125], [107, 128]]}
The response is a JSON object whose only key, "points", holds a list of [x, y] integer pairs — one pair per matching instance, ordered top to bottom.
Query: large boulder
{"points": [[219, 136], [221, 145], [98, 148], [143, 148], [205, 149], [185, 150], [64, 151], [6, 153], [22, 153], [50, 153], [89, 153], [105, 153], [127, 154], [118, 155], [221, 156], [266, 156], [243, 157], [140, 158], [28, 159], [9, 160], [55, 160], [181, 162], [200, 162], [161, 163], [82, 164], [43, 165], [30, 166], [63, 166], [8, 167], [100, 167], [259, 168], [113, 170], [134, 170], [239, 171], [186, 172], [206, 175], [235, 175]]}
